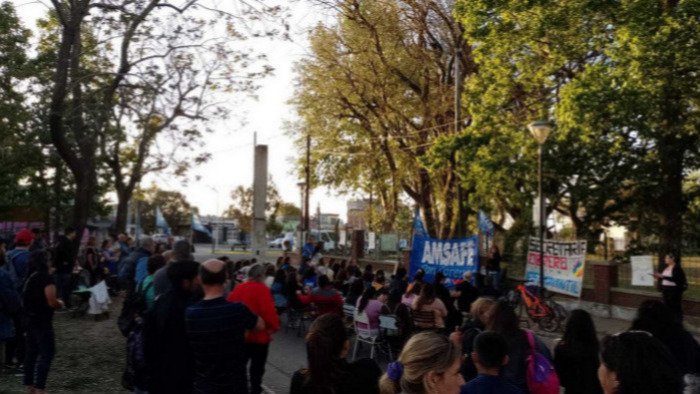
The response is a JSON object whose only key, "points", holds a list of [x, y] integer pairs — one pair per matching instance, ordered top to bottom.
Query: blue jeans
{"points": [[64, 289], [41, 347]]}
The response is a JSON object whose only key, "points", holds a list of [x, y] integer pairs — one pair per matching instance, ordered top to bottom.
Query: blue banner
{"points": [[160, 221], [485, 224], [198, 226], [451, 257]]}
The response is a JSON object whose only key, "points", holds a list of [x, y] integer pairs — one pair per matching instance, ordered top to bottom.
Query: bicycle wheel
{"points": [[548, 322]]}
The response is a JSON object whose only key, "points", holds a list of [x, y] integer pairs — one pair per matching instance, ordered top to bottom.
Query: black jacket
{"points": [[64, 255], [677, 277], [577, 372]]}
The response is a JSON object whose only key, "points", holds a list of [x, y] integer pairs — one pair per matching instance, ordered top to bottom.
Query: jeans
{"points": [[64, 288], [673, 296], [15, 345], [41, 347], [256, 353]]}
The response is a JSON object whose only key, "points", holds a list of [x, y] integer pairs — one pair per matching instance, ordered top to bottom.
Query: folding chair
{"points": [[349, 317], [424, 320], [387, 325], [365, 335]]}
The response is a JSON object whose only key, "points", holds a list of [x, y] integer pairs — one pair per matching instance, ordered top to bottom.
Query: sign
{"points": [[485, 224], [343, 237], [389, 242], [372, 244], [451, 257], [564, 265], [642, 271]]}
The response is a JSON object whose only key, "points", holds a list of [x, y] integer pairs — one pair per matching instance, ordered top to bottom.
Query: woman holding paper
{"points": [[673, 284]]}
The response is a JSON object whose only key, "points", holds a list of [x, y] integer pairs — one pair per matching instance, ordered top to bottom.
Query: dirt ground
{"points": [[90, 357]]}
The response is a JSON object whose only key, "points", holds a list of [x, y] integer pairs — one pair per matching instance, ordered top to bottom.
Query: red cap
{"points": [[24, 237]]}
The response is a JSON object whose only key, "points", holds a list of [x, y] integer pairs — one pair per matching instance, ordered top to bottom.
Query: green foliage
{"points": [[241, 209]]}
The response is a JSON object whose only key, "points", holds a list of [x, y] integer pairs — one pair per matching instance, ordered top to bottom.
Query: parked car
{"points": [[236, 244]]}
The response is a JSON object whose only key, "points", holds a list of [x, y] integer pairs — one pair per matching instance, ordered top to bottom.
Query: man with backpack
{"points": [[17, 266], [135, 267]]}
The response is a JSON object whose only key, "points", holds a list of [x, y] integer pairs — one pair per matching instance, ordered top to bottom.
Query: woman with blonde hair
{"points": [[482, 320], [429, 363]]}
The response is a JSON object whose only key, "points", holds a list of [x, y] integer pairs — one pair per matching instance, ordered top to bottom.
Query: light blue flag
{"points": [[160, 221], [485, 223], [418, 224], [198, 226]]}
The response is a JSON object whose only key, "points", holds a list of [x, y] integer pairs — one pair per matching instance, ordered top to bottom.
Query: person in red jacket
{"points": [[257, 297], [326, 298]]}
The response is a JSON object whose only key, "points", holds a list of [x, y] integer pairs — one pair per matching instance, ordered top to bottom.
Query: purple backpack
{"points": [[541, 377]]}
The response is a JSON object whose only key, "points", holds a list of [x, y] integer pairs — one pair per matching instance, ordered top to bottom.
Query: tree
{"points": [[376, 92], [241, 209], [177, 211]]}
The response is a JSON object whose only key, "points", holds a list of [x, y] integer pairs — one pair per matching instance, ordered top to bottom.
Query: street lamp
{"points": [[540, 130], [302, 188]]}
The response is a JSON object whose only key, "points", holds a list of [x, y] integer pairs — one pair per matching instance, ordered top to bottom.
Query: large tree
{"points": [[241, 208]]}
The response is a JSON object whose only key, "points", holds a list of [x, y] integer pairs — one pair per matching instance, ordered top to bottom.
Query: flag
{"points": [[160, 221], [418, 224], [485, 224], [198, 226]]}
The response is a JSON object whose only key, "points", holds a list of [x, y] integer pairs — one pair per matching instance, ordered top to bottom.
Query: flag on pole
{"points": [[160, 221], [485, 223], [418, 224], [198, 226]]}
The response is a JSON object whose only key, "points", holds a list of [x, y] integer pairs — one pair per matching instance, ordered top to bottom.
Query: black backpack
{"points": [[134, 306]]}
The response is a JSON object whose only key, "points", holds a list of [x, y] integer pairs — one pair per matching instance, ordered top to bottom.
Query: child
{"points": [[490, 353]]}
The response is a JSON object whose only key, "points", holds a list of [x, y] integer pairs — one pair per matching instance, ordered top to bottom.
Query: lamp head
{"points": [[540, 130]]}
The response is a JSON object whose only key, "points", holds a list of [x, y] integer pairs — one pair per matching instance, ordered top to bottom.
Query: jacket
{"points": [[64, 255], [128, 269], [258, 298], [327, 300], [10, 304]]}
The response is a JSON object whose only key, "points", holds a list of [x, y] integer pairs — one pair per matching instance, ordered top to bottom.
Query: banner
{"points": [[160, 221], [485, 224], [198, 226], [451, 257], [564, 265], [642, 271]]}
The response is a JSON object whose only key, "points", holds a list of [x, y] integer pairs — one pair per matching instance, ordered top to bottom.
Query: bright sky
{"points": [[210, 184]]}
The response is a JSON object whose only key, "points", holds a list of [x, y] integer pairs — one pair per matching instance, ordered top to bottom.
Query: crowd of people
{"points": [[206, 327]]}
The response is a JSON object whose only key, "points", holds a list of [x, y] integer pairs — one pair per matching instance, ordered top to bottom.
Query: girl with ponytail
{"points": [[429, 363], [328, 372]]}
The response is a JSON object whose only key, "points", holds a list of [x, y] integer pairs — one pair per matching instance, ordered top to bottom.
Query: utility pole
{"points": [[308, 182]]}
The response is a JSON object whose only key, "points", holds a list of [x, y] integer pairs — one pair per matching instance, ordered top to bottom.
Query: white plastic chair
{"points": [[365, 335]]}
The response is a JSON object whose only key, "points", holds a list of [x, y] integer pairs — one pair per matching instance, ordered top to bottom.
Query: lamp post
{"points": [[540, 130], [302, 188]]}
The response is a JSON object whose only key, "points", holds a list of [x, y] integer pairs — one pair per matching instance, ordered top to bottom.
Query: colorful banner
{"points": [[451, 257], [564, 265]]}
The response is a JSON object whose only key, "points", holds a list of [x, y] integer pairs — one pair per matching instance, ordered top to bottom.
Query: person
{"points": [[38, 243], [146, 249], [307, 252], [181, 253], [108, 256], [317, 256], [18, 258], [90, 260], [64, 262], [155, 263], [286, 264], [17, 266], [493, 267], [321, 269], [269, 275], [368, 275], [309, 278], [379, 280], [417, 280], [399, 281], [341, 282], [673, 284], [292, 289], [278, 290], [355, 292], [467, 293], [412, 294], [257, 297], [325, 297], [40, 300], [428, 302], [10, 305], [371, 307], [402, 313], [454, 318], [657, 319], [482, 320], [506, 323], [216, 331], [327, 346], [168, 355], [489, 355], [576, 355], [636, 362], [429, 363]]}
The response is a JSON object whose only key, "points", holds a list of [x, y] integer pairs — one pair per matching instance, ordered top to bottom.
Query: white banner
{"points": [[564, 265], [642, 271]]}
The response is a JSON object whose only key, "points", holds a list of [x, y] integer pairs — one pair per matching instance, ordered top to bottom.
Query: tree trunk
{"points": [[671, 206], [122, 210]]}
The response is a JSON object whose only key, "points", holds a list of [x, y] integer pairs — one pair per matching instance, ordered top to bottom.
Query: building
{"points": [[358, 212], [327, 222]]}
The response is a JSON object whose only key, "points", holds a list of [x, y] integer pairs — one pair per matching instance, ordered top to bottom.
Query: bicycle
{"points": [[547, 313]]}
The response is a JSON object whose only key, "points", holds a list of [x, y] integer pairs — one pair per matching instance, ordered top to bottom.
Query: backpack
{"points": [[12, 267], [134, 306], [136, 373], [541, 377]]}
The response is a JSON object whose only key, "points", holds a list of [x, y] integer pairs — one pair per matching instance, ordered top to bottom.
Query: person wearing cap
{"points": [[17, 265], [258, 298]]}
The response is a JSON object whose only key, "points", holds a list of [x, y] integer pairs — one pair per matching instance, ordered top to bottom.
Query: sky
{"points": [[231, 144]]}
